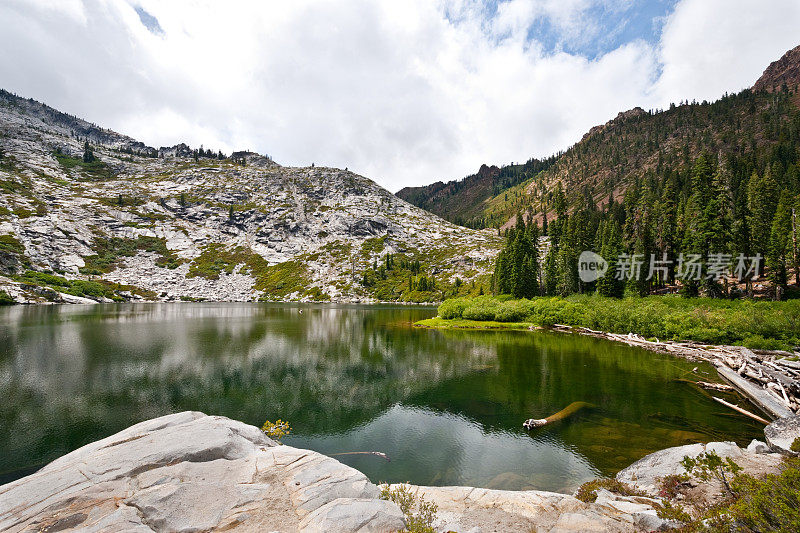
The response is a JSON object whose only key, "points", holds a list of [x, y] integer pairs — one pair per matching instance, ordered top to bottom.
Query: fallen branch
{"points": [[743, 411]]}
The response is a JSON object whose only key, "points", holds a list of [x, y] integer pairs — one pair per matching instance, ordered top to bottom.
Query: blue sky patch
{"points": [[149, 21]]}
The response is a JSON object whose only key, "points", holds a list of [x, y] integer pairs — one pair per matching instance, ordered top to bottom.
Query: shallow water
{"points": [[446, 406]]}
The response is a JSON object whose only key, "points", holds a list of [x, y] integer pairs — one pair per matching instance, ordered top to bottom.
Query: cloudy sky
{"points": [[405, 92]]}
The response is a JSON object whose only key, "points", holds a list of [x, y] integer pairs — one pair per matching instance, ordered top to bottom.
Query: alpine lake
{"points": [[445, 406]]}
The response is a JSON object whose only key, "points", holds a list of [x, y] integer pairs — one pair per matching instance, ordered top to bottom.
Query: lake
{"points": [[446, 406]]}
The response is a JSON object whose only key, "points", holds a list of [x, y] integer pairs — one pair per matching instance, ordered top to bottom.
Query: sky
{"points": [[404, 92]]}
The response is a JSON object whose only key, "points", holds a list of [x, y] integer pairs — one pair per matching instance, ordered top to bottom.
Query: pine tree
{"points": [[88, 154], [762, 200], [779, 244]]}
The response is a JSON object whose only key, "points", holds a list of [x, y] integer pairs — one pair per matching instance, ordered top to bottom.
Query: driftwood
{"points": [[766, 377], [709, 386], [755, 393], [569, 410], [743, 411], [378, 454]]}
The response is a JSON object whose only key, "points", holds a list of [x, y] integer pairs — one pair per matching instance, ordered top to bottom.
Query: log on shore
{"points": [[765, 401]]}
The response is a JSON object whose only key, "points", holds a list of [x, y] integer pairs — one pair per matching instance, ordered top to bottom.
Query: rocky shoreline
{"points": [[192, 472]]}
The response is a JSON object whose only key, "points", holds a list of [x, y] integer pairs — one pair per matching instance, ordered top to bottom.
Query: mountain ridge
{"points": [[586, 169], [128, 221]]}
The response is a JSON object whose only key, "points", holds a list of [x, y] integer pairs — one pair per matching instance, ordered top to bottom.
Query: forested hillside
{"points": [[633, 148], [464, 201]]}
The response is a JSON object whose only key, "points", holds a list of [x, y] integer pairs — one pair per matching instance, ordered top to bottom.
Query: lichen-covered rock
{"points": [[781, 433]]}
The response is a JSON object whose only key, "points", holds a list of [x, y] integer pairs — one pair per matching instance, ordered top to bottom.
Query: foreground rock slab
{"points": [[192, 472], [476, 510]]}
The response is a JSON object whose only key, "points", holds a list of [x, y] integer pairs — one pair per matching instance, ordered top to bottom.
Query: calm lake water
{"points": [[446, 406]]}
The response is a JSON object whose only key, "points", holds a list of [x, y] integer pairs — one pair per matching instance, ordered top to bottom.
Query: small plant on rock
{"points": [[276, 430], [709, 465], [670, 486], [588, 491], [418, 513]]}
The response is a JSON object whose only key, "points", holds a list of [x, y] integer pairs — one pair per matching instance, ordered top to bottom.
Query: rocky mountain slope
{"points": [[611, 156], [175, 223]]}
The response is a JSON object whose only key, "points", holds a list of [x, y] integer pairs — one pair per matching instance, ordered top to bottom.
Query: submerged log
{"points": [[707, 385], [569, 410]]}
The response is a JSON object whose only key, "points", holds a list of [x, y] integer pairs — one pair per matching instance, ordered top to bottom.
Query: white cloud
{"points": [[709, 47], [403, 92]]}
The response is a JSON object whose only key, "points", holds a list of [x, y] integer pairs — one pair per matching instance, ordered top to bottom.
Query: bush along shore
{"points": [[753, 344]]}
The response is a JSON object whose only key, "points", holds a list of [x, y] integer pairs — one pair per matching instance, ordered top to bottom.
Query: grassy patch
{"points": [[96, 170], [10, 244], [374, 245], [111, 250], [215, 259], [282, 279], [275, 281], [78, 287], [460, 323], [755, 324]]}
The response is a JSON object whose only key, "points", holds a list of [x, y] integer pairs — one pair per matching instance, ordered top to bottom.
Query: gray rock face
{"points": [[331, 224], [781, 434], [354, 514]]}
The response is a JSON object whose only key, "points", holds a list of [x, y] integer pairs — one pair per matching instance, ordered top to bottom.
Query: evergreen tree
{"points": [[88, 154], [762, 200], [779, 244]]}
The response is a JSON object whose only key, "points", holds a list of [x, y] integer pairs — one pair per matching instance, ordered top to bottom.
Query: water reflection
{"points": [[446, 406]]}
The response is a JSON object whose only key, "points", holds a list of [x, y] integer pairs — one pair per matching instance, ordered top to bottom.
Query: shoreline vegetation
{"points": [[757, 325], [720, 332]]}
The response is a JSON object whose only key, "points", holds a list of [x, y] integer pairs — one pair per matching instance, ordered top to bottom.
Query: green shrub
{"points": [[95, 169], [9, 244], [109, 251], [5, 299], [453, 308], [481, 308], [513, 310], [758, 325], [771, 503], [418, 513]]}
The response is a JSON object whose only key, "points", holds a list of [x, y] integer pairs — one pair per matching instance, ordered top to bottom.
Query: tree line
{"points": [[713, 209]]}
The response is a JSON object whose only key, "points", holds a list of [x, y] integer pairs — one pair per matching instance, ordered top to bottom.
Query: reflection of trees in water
{"points": [[72, 375], [640, 406]]}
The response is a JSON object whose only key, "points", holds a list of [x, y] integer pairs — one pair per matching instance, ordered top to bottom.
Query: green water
{"points": [[446, 406]]}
